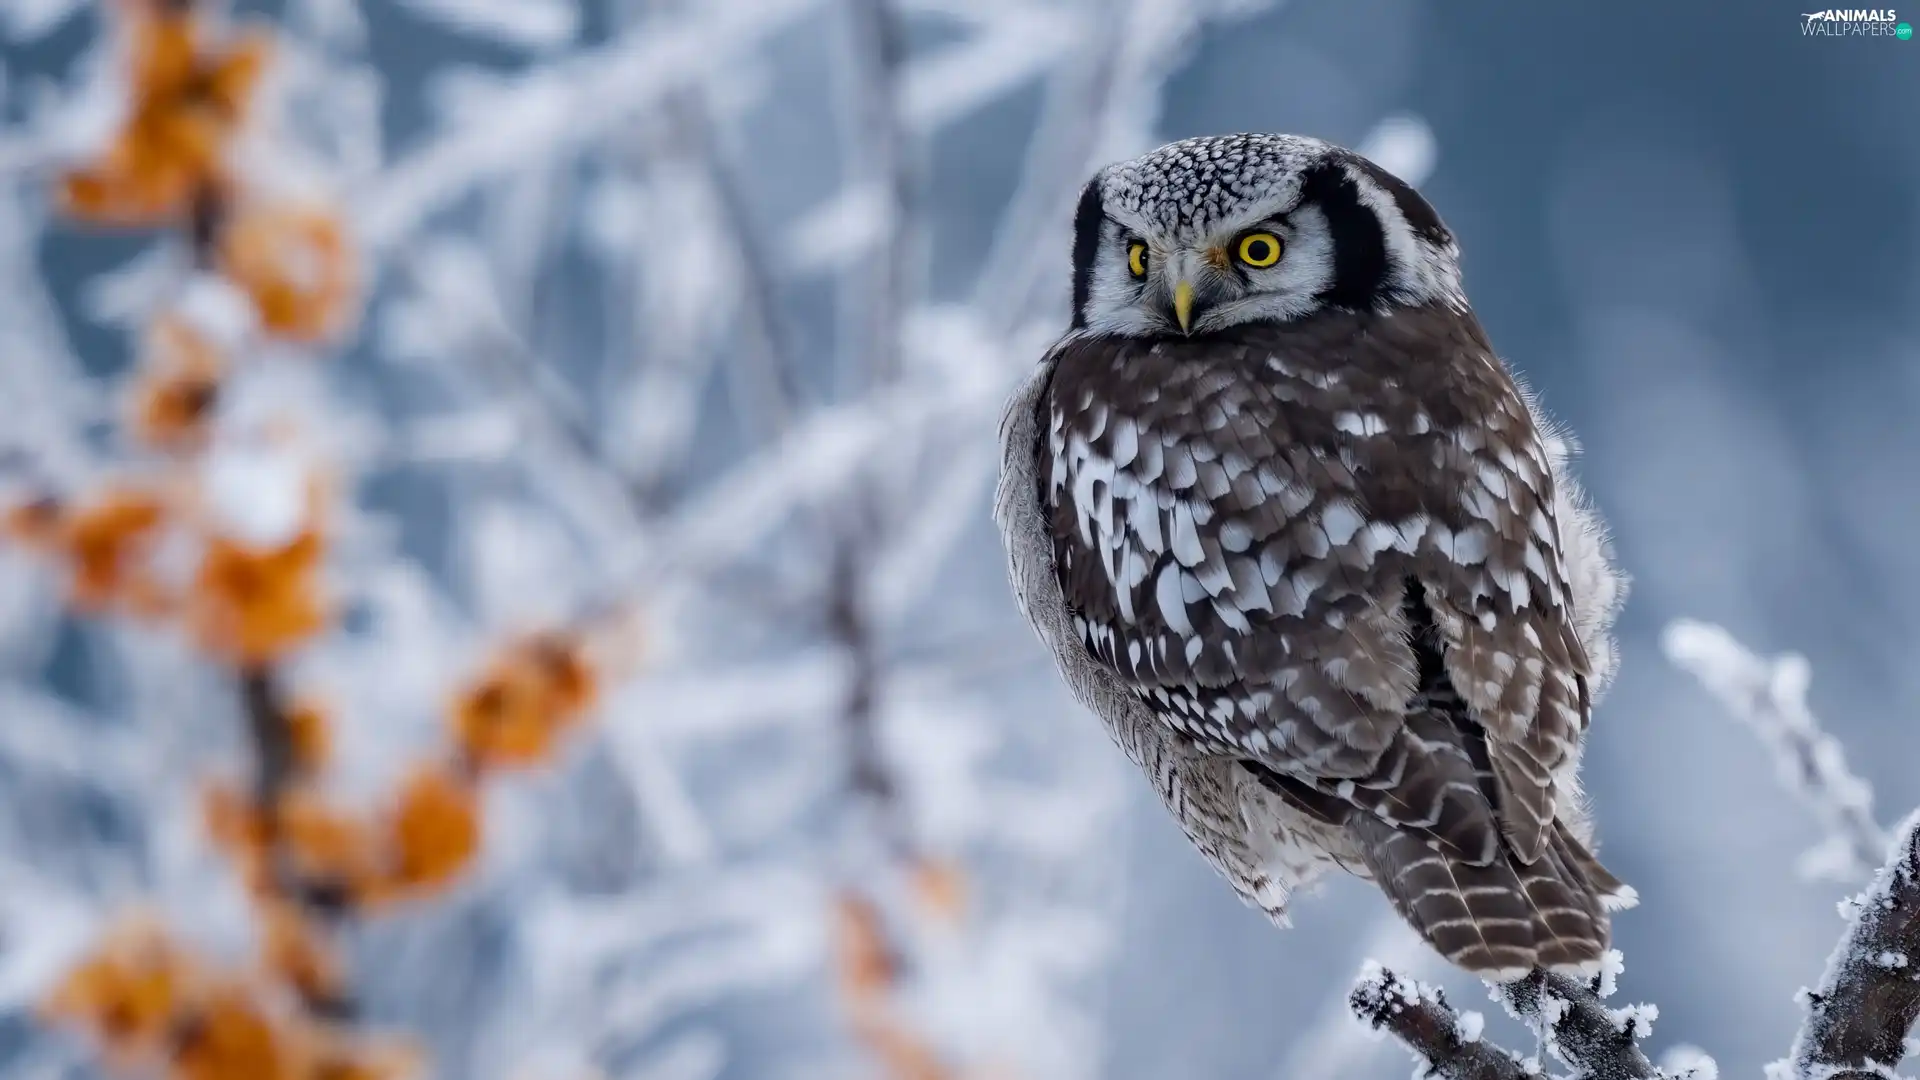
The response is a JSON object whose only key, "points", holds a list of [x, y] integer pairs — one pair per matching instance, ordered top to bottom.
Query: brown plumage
{"points": [[1327, 548]]}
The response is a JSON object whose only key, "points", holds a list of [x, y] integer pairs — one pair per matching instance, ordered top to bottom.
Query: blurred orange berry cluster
{"points": [[191, 86], [188, 98], [177, 388], [106, 543], [160, 549], [247, 604], [253, 604], [532, 693], [510, 716], [869, 968], [869, 971], [152, 1004]]}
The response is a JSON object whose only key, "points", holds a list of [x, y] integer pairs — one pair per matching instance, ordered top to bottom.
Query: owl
{"points": [[1306, 546]]}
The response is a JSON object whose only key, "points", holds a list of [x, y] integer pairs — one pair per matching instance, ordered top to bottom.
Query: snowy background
{"points": [[701, 312]]}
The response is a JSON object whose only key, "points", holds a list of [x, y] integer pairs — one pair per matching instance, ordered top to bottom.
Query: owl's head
{"points": [[1212, 232]]}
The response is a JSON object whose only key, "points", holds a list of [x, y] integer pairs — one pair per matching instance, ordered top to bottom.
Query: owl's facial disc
{"points": [[1219, 231], [1211, 282]]}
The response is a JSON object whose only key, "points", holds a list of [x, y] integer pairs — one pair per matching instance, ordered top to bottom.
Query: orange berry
{"points": [[188, 100], [297, 266], [173, 400], [107, 543], [255, 605], [530, 694], [311, 735], [435, 830], [240, 832], [326, 847], [940, 887], [293, 950], [866, 964], [129, 991], [230, 1037]]}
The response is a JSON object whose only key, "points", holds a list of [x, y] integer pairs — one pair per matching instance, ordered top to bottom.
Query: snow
{"points": [[530, 24], [218, 310], [256, 495], [1612, 965], [1635, 1020], [1471, 1025], [1685, 1062]]}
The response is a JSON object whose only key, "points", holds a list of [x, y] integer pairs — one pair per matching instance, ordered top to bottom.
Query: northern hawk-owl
{"points": [[1306, 546]]}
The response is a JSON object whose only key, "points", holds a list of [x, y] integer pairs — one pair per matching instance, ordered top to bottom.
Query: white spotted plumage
{"points": [[1333, 603]]}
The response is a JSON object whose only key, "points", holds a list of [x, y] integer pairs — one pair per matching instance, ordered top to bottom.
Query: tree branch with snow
{"points": [[1770, 696], [1419, 1016], [1859, 1017], [1857, 1021]]}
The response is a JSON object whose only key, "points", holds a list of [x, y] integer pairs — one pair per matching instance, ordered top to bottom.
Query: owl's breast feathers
{"points": [[1240, 520]]}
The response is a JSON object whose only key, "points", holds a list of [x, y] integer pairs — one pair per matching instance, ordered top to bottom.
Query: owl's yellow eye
{"points": [[1259, 249], [1137, 259]]}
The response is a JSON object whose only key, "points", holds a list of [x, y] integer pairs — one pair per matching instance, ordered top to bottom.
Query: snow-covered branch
{"points": [[1770, 696], [1419, 1016], [1567, 1016], [1859, 1018], [1578, 1029]]}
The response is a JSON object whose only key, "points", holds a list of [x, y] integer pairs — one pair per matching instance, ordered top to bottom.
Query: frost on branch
{"points": [[1771, 697], [1418, 1015], [1567, 1016], [1858, 1020], [1578, 1029]]}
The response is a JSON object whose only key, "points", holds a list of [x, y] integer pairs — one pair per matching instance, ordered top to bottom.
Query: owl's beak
{"points": [[1183, 305]]}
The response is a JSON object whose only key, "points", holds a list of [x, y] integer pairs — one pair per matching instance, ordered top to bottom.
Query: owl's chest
{"points": [[1248, 446]]}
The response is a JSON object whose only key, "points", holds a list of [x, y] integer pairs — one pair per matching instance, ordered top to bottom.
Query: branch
{"points": [[568, 104], [874, 295], [1771, 697], [272, 736], [870, 777], [1418, 1015], [1567, 1015], [1857, 1022], [1597, 1042], [1333, 1046]]}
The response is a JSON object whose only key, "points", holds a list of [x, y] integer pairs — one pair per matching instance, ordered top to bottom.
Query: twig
{"points": [[566, 105], [874, 297], [1771, 697], [270, 730], [272, 736], [869, 777], [1418, 1015], [1567, 1015], [1857, 1022], [1579, 1030], [1332, 1045]]}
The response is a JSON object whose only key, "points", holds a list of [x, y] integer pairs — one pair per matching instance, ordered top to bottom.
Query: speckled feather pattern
{"points": [[1235, 518], [1322, 572]]}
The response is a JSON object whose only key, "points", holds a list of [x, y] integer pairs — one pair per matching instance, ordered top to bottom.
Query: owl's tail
{"points": [[1499, 918]]}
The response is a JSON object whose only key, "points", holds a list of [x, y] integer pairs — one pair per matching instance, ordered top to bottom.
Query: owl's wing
{"points": [[1236, 539], [1503, 610]]}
